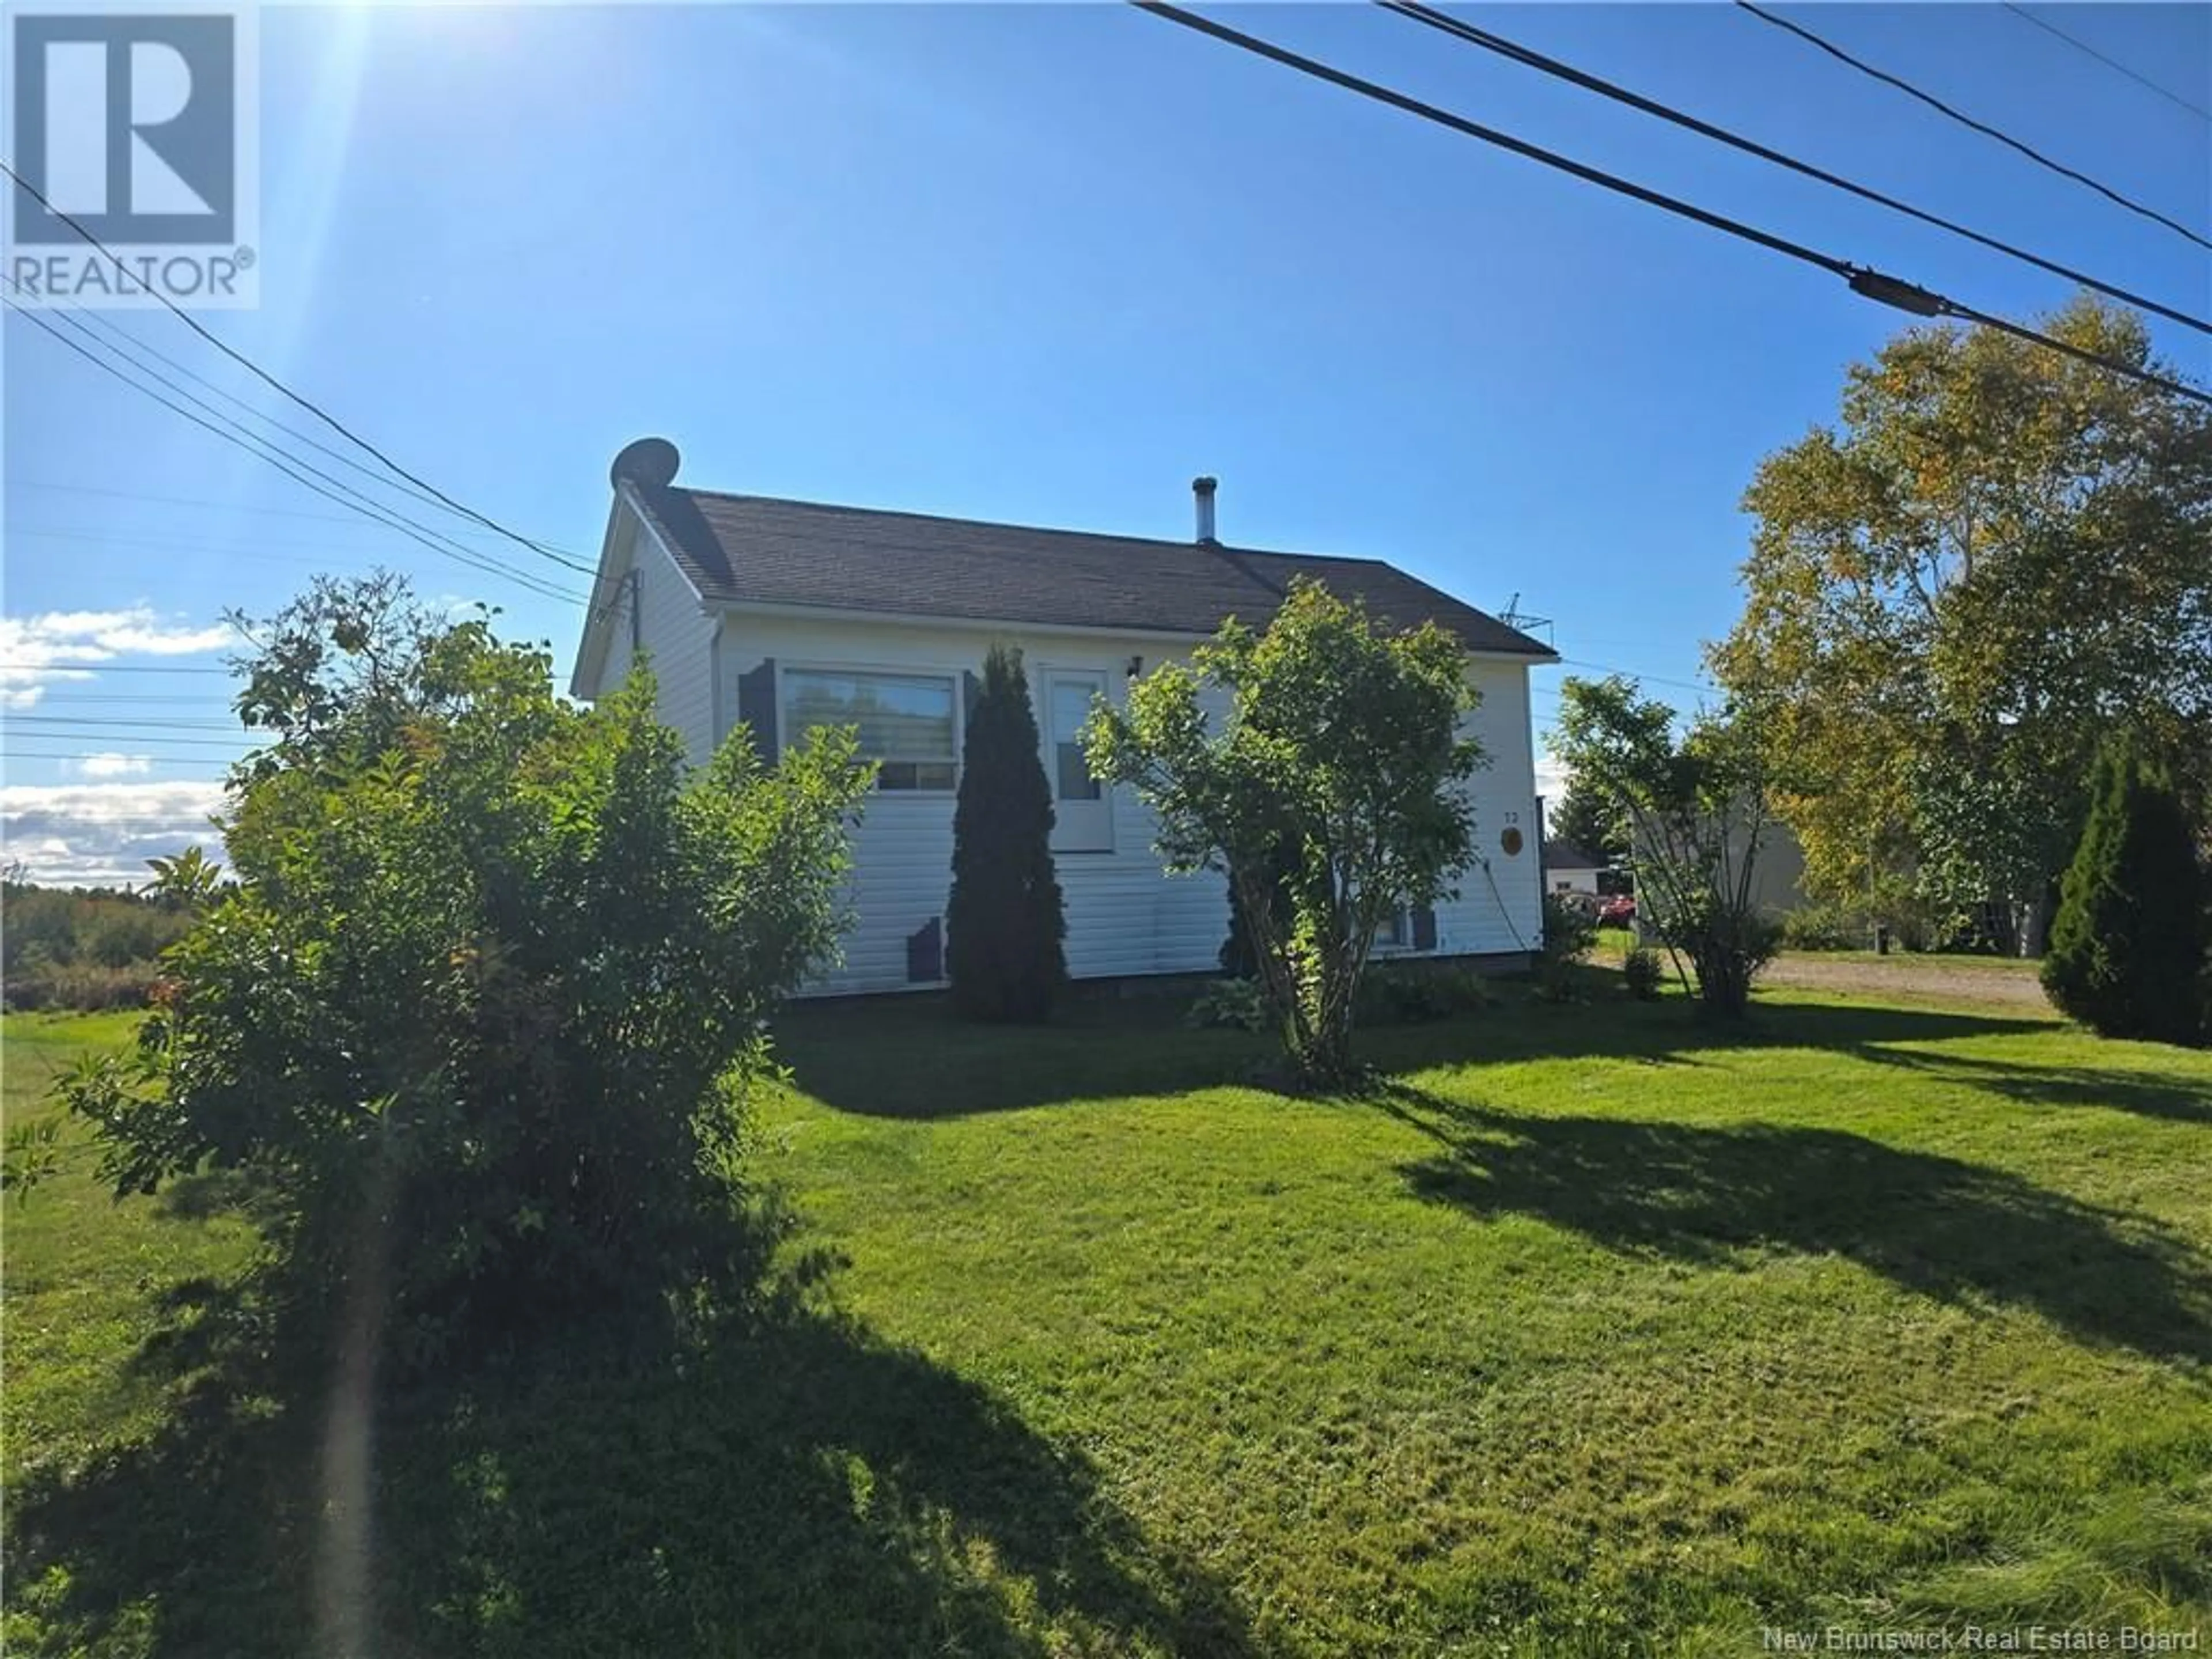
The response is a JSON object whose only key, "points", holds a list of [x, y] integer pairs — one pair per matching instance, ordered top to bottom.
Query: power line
{"points": [[1416, 12], [2081, 46], [1983, 127], [1488, 135], [1865, 281], [110, 326], [271, 381], [297, 470], [352, 497], [220, 506], [328, 559], [94, 666], [141, 700], [137, 723], [159, 740]]}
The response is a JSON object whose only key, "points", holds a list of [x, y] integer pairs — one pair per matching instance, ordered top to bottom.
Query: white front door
{"points": [[1083, 807]]}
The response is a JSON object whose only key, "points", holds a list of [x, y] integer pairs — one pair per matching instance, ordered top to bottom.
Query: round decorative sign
{"points": [[1510, 841]]}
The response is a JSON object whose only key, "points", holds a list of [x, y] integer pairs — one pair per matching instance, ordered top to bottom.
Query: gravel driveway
{"points": [[2004, 984]]}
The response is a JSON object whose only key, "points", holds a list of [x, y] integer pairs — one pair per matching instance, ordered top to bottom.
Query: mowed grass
{"points": [[1593, 1331]]}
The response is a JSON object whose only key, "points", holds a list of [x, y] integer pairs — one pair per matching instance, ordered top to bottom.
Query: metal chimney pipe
{"points": [[1202, 490]]}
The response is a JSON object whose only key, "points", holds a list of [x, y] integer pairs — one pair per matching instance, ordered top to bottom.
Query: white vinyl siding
{"points": [[657, 605], [1125, 917]]}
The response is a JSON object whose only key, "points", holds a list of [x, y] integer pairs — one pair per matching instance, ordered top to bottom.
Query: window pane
{"points": [[1070, 708], [900, 716], [1075, 781]]}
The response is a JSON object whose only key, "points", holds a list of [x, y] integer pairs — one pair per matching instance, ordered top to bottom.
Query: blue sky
{"points": [[1042, 263]]}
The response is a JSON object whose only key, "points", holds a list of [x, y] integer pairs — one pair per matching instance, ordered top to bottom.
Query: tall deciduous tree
{"points": [[1997, 552], [1342, 747], [1698, 814], [1585, 817], [1004, 923], [2127, 949]]}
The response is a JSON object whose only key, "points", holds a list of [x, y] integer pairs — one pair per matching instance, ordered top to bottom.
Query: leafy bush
{"points": [[1345, 752], [1700, 807], [1004, 924], [1912, 925], [1823, 927], [1569, 928], [1570, 935], [2128, 947], [87, 949], [1641, 973], [84, 987], [1405, 994], [1240, 1004], [480, 1018], [31, 1153]]}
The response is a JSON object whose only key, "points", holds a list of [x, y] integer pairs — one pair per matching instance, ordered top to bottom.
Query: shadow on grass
{"points": [[909, 1058], [2182, 1100], [1945, 1229], [796, 1488]]}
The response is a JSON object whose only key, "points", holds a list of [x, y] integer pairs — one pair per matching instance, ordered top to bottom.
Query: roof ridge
{"points": [[1032, 529]]}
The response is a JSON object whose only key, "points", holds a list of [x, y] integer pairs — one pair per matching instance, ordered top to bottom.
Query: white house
{"points": [[786, 614], [1569, 867]]}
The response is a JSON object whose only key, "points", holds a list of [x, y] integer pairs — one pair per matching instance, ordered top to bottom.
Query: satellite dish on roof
{"points": [[648, 461]]}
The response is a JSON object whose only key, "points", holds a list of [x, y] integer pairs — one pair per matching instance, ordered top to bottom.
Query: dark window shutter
{"points": [[971, 693], [756, 708], [1425, 928], [925, 952]]}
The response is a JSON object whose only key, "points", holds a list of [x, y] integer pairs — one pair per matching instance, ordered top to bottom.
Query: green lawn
{"points": [[1596, 1332]]}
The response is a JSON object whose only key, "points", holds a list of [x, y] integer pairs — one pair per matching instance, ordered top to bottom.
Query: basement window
{"points": [[906, 722]]}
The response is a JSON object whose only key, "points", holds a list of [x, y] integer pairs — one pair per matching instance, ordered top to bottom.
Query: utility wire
{"points": [[2081, 45], [1504, 48], [1983, 127], [1864, 280], [108, 325], [271, 381], [287, 463], [220, 506], [471, 557], [94, 666], [135, 722]]}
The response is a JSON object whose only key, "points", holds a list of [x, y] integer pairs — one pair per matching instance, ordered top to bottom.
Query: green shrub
{"points": [[1004, 924], [1823, 928], [1569, 929], [1570, 935], [2127, 948], [87, 949], [1641, 973], [81, 986], [1407, 994], [1239, 1003], [479, 1019]]}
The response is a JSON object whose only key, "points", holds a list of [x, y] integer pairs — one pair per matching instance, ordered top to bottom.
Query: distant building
{"points": [[1570, 867]]}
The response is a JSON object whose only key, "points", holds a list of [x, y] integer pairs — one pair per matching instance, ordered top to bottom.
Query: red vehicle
{"points": [[1618, 911]]}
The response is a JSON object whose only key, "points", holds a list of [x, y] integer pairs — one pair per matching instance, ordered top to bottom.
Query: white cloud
{"points": [[65, 645], [111, 765], [1551, 777], [101, 834]]}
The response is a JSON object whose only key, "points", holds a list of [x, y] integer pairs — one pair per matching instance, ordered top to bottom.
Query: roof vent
{"points": [[648, 461], [1202, 490]]}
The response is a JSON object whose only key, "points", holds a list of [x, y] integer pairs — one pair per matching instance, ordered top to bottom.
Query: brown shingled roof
{"points": [[759, 549]]}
